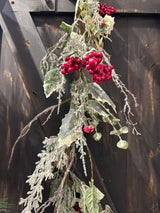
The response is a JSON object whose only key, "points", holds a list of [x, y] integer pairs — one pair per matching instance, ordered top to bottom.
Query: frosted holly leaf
{"points": [[66, 27], [53, 80], [100, 95], [98, 108], [67, 130], [93, 196]]}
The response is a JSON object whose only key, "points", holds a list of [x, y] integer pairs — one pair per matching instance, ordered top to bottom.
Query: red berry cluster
{"points": [[104, 9], [72, 63], [100, 72], [88, 129]]}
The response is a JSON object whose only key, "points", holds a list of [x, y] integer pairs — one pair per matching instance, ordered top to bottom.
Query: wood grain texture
{"points": [[31, 6], [123, 6], [135, 6], [144, 79], [15, 111]]}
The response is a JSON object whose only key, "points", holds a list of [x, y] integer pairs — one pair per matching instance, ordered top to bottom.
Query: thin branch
{"points": [[126, 92], [26, 129]]}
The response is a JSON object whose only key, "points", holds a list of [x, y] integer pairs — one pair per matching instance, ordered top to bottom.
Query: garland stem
{"points": [[91, 163]]}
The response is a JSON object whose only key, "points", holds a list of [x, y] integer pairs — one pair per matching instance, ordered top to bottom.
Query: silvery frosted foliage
{"points": [[75, 46], [80, 50], [43, 172]]}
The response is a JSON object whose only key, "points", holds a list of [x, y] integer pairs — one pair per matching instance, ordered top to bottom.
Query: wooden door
{"points": [[130, 179]]}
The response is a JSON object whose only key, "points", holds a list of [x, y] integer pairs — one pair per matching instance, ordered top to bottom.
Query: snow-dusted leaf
{"points": [[66, 27], [52, 80], [100, 95], [98, 108], [67, 130], [122, 130], [122, 144], [54, 185], [92, 199]]}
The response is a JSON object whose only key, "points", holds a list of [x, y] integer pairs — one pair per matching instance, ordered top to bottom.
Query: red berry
{"points": [[103, 23], [67, 58], [83, 63], [88, 67], [70, 69], [63, 71], [91, 72], [90, 128], [86, 129]]}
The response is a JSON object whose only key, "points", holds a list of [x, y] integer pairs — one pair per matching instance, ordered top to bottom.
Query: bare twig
{"points": [[127, 93], [26, 129]]}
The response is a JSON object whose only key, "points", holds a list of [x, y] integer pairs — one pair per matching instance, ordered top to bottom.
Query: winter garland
{"points": [[78, 53]]}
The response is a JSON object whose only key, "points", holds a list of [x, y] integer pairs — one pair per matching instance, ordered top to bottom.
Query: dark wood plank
{"points": [[31, 6], [65, 6], [123, 6], [132, 6], [17, 37], [144, 79], [15, 111]]}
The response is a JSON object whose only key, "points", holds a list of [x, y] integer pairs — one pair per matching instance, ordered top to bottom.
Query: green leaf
{"points": [[83, 5], [66, 27], [52, 79], [100, 95], [98, 108], [67, 130], [124, 130], [115, 132], [97, 136], [122, 144], [54, 186], [92, 199], [4, 205]]}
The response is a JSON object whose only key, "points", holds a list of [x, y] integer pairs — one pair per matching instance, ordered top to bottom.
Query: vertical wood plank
{"points": [[144, 78]]}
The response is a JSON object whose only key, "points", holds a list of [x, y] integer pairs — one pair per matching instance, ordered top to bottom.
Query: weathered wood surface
{"points": [[32, 6], [123, 6], [132, 6], [144, 78]]}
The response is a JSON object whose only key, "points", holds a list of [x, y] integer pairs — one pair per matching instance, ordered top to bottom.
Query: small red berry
{"points": [[103, 23]]}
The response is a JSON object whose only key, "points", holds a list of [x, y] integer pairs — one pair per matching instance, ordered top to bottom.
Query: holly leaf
{"points": [[66, 27], [52, 80], [100, 95], [98, 108], [67, 130], [92, 199]]}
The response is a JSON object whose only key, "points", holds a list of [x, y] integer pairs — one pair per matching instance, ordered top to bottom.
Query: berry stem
{"points": [[96, 42], [91, 163]]}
